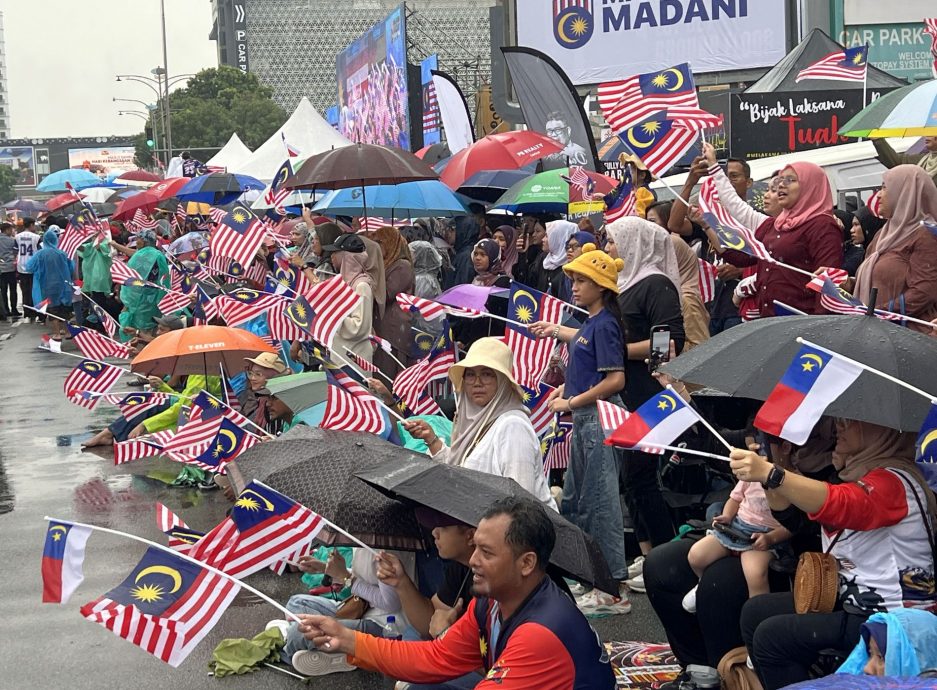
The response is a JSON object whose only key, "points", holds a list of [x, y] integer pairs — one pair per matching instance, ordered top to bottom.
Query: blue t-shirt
{"points": [[597, 348]]}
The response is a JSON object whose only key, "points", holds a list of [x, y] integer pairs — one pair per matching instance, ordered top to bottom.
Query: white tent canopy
{"points": [[306, 131], [232, 155]]}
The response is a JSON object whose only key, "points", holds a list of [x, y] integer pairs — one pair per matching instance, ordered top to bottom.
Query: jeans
{"points": [[8, 293], [121, 428], [590, 493], [649, 512], [306, 603], [784, 644], [466, 682]]}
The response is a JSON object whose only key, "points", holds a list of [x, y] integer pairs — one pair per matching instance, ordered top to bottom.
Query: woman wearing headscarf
{"points": [[865, 225], [466, 235], [804, 235], [506, 237], [303, 240], [574, 247], [852, 255], [349, 258], [486, 258], [902, 259], [427, 264], [548, 271], [52, 272], [649, 295], [141, 303], [394, 323], [492, 431], [877, 523]]}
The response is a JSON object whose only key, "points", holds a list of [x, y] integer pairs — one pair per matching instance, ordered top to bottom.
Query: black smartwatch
{"points": [[775, 477]]}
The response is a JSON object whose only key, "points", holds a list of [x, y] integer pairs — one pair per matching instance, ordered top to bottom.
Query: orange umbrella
{"points": [[199, 350]]}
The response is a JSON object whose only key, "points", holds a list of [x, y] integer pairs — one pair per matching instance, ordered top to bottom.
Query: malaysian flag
{"points": [[930, 27], [849, 64], [628, 102], [431, 117], [659, 142], [291, 151], [579, 178], [276, 193], [622, 201], [874, 204], [180, 215], [142, 221], [372, 223], [80, 228], [238, 235], [738, 238], [121, 272], [256, 273], [837, 276], [182, 279], [287, 279], [707, 281], [174, 301], [837, 301], [245, 304], [205, 308], [426, 308], [321, 311], [106, 320], [282, 327], [96, 346], [531, 356], [362, 363], [90, 376], [411, 383], [228, 394], [536, 404], [134, 405], [350, 407], [611, 416], [203, 428], [229, 441], [556, 444], [147, 446], [181, 536], [166, 606]]}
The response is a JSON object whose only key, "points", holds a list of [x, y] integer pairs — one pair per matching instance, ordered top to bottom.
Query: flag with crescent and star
{"points": [[849, 64], [629, 101], [659, 141], [622, 201], [238, 235], [739, 239], [287, 279], [245, 304], [531, 356], [90, 376], [813, 380], [658, 422], [229, 442], [556, 444], [926, 448], [180, 535], [62, 557], [166, 606]]}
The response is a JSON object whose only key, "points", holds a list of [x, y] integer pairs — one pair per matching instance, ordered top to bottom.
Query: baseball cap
{"points": [[346, 243], [171, 321]]}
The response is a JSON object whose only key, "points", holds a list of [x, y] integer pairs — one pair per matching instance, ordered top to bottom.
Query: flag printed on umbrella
{"points": [[849, 64], [625, 103], [659, 142], [623, 200], [238, 235], [245, 304], [426, 308], [321, 312], [95, 346], [531, 356], [90, 376], [813, 380], [350, 407], [611, 416], [658, 422], [181, 536], [62, 557], [166, 606]]}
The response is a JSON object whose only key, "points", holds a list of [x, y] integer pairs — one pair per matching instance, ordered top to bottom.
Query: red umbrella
{"points": [[505, 151], [138, 178], [167, 188], [60, 201], [146, 201]]}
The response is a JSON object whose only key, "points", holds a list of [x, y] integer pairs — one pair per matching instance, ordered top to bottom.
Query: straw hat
{"points": [[625, 158], [597, 266], [485, 352], [268, 360]]}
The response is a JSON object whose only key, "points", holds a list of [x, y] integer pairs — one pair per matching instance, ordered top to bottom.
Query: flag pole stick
{"points": [[103, 310], [46, 314], [107, 364], [871, 370], [376, 371], [222, 402], [380, 402], [705, 423], [688, 451], [179, 554]]}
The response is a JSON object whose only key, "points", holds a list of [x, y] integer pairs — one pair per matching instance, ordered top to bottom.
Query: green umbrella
{"points": [[910, 111], [550, 192], [299, 391]]}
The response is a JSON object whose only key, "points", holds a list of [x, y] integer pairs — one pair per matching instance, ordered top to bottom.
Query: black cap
{"points": [[346, 243]]}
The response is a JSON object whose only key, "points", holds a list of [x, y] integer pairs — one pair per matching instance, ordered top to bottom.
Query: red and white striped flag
{"points": [[930, 27], [849, 64], [627, 102], [291, 151], [874, 204], [217, 214], [142, 221], [372, 223], [238, 235], [73, 237], [121, 272], [256, 273], [837, 276], [707, 281], [173, 302], [245, 304], [426, 308], [323, 309], [282, 327], [96, 346], [531, 356], [362, 363], [90, 376], [410, 385], [134, 405], [349, 407], [611, 416], [205, 421], [147, 446], [556, 446], [181, 536]]}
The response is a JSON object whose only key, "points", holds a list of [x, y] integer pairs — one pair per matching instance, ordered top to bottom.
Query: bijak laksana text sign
{"points": [[602, 40]]}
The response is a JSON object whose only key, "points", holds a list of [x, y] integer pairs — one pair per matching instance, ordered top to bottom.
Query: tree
{"points": [[214, 104], [142, 154], [8, 178]]}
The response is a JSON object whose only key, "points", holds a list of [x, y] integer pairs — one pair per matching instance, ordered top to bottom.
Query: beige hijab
{"points": [[912, 197], [646, 249], [375, 267], [472, 422]]}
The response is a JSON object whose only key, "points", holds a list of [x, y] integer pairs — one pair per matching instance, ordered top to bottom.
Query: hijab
{"points": [[912, 197], [815, 201], [845, 217], [870, 224], [558, 234], [583, 237], [393, 246], [646, 249], [304, 250], [493, 250], [509, 253], [374, 265], [426, 265], [353, 269], [472, 421]]}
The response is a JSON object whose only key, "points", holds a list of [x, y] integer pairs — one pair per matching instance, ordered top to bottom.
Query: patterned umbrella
{"points": [[910, 111]]}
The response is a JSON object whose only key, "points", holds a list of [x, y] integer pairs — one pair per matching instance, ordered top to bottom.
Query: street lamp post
{"points": [[162, 10], [160, 84]]}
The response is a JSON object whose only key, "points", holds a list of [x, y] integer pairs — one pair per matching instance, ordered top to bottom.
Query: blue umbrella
{"points": [[79, 179], [489, 185], [218, 188], [405, 200], [26, 206]]}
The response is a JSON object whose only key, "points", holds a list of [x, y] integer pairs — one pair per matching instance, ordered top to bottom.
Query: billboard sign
{"points": [[598, 40], [899, 49], [373, 97], [432, 123], [103, 160], [23, 161]]}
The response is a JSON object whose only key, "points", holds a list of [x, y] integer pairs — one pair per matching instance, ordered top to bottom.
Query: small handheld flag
{"points": [[658, 422], [62, 559]]}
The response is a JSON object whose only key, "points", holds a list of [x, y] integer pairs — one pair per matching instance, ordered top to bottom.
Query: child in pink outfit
{"points": [[747, 513]]}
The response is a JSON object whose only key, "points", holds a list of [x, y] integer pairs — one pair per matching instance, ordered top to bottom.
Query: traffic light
{"points": [[148, 132]]}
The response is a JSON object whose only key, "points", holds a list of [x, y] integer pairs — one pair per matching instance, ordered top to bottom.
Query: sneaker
{"points": [[636, 568], [636, 584], [576, 588], [689, 601], [596, 604], [282, 625], [314, 663]]}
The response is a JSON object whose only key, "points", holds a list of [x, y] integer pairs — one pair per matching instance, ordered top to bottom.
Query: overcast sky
{"points": [[63, 55]]}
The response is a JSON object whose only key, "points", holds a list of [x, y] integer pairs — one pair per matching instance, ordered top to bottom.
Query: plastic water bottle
{"points": [[392, 629]]}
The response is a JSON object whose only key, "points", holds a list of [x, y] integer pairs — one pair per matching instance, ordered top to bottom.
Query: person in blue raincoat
{"points": [[52, 280], [900, 644]]}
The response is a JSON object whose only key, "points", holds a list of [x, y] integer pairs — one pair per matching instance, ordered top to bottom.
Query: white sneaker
{"points": [[636, 568], [636, 584], [576, 588], [689, 601], [596, 604], [282, 625], [312, 663]]}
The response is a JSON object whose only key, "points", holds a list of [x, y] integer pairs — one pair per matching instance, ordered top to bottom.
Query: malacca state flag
{"points": [[812, 381], [658, 422], [62, 558]]}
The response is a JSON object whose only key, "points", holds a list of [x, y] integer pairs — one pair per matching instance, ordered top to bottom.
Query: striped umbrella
{"points": [[910, 111]]}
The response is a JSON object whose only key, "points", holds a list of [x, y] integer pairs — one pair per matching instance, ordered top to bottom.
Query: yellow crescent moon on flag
{"points": [[561, 27], [679, 75], [636, 142], [724, 236], [520, 293], [815, 358], [92, 366], [669, 398], [227, 433], [931, 435], [268, 506], [59, 527], [163, 570]]}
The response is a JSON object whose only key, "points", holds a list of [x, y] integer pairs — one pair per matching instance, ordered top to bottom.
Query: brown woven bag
{"points": [[816, 582]]}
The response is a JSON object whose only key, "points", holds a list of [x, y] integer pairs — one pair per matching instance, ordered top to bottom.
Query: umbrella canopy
{"points": [[910, 111], [505, 151], [433, 153], [358, 165], [78, 178], [137, 178], [489, 185], [168, 187], [217, 188], [550, 192], [101, 195], [406, 200], [60, 201], [145, 201], [26, 206], [198, 350], [749, 360], [299, 391], [316, 467], [466, 494]]}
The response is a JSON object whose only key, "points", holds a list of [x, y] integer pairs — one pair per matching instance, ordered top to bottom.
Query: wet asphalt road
{"points": [[43, 472]]}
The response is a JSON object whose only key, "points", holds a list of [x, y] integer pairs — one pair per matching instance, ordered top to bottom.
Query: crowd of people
{"points": [[853, 485]]}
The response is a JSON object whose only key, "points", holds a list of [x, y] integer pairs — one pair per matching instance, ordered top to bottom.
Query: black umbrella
{"points": [[434, 153], [359, 165], [750, 359], [316, 468], [466, 494]]}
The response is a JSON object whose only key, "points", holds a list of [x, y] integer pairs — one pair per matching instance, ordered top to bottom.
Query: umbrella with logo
{"points": [[910, 111], [504, 151], [137, 178], [558, 191], [198, 350]]}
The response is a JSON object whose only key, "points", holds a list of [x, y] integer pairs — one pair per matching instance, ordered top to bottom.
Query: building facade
{"points": [[4, 97]]}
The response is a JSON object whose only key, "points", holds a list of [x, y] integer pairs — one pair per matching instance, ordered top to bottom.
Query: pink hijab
{"points": [[815, 200]]}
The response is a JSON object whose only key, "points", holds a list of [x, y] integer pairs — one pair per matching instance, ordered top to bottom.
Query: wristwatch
{"points": [[775, 477]]}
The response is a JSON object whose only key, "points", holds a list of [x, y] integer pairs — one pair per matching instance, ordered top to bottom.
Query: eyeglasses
{"points": [[553, 131], [785, 180], [573, 246], [254, 374], [486, 376]]}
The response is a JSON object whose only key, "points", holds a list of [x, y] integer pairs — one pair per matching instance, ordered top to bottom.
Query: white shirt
{"points": [[27, 244], [509, 449]]}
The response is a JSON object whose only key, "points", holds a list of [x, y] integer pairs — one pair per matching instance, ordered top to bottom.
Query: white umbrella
{"points": [[97, 195]]}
